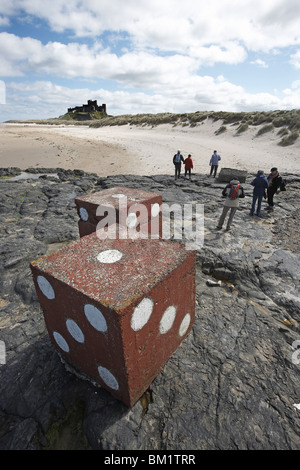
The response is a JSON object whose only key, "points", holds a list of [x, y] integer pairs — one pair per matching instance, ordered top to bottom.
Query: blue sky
{"points": [[141, 56]]}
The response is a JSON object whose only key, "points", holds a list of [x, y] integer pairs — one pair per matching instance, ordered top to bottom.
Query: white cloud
{"points": [[4, 21], [172, 24], [158, 48], [14, 51], [228, 53], [295, 59], [260, 63], [135, 69], [296, 85], [44, 99]]}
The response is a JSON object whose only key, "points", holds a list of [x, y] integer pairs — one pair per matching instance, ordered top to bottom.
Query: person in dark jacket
{"points": [[177, 159], [275, 182], [260, 184]]}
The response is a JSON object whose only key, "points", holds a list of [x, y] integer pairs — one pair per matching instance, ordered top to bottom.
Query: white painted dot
{"points": [[155, 210], [84, 215], [131, 220], [109, 256], [46, 287], [141, 314], [95, 317], [167, 319], [185, 324], [75, 331], [60, 340], [108, 378]]}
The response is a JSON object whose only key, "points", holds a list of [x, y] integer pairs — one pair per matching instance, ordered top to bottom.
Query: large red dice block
{"points": [[133, 208], [116, 310]]}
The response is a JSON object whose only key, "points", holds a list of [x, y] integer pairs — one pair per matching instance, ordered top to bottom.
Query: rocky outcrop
{"points": [[228, 174], [234, 381]]}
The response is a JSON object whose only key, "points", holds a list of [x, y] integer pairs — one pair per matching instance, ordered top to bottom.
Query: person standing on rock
{"points": [[177, 159], [188, 163], [214, 163], [275, 182], [260, 184], [232, 191]]}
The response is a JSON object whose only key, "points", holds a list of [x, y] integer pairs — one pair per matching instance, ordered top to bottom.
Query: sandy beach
{"points": [[142, 150]]}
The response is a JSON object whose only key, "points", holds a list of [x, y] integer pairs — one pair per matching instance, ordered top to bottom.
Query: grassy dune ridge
{"points": [[287, 122]]}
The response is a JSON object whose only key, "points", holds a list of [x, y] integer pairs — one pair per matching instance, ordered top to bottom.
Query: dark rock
{"points": [[37, 170], [10, 171], [227, 174], [234, 381]]}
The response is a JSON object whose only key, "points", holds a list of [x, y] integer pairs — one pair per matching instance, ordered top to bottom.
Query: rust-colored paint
{"points": [[109, 198], [160, 271]]}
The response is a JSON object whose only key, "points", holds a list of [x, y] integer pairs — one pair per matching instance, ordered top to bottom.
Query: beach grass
{"points": [[263, 121], [264, 129], [290, 139]]}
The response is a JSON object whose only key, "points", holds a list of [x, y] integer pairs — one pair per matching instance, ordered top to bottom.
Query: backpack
{"points": [[283, 185], [234, 191]]}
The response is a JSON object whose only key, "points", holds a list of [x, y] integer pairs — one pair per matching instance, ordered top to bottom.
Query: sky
{"points": [[141, 56]]}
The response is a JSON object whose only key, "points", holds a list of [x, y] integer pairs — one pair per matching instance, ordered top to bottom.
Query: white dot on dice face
{"points": [[155, 210], [83, 214], [131, 220], [109, 256], [46, 287], [141, 314], [95, 317], [167, 320], [184, 324], [75, 331], [60, 340], [108, 378]]}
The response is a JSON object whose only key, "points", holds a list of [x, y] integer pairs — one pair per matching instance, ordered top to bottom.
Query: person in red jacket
{"points": [[188, 162]]}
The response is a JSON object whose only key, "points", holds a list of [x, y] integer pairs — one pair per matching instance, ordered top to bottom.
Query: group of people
{"points": [[188, 164], [263, 187]]}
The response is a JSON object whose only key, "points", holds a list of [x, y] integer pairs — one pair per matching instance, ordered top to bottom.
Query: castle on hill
{"points": [[89, 107]]}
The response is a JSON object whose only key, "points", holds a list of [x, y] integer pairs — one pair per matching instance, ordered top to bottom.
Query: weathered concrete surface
{"points": [[108, 306], [234, 381]]}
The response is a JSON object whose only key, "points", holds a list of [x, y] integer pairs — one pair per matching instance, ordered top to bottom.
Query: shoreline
{"points": [[143, 151]]}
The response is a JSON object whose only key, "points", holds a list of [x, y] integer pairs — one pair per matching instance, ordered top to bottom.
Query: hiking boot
{"points": [[250, 213]]}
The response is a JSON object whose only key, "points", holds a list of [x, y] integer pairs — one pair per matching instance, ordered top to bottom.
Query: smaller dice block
{"points": [[132, 209], [116, 310]]}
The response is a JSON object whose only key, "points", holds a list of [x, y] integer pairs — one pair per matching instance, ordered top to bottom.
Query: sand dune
{"points": [[142, 150]]}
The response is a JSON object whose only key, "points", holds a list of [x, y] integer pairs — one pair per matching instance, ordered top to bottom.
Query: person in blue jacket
{"points": [[214, 162], [260, 184]]}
